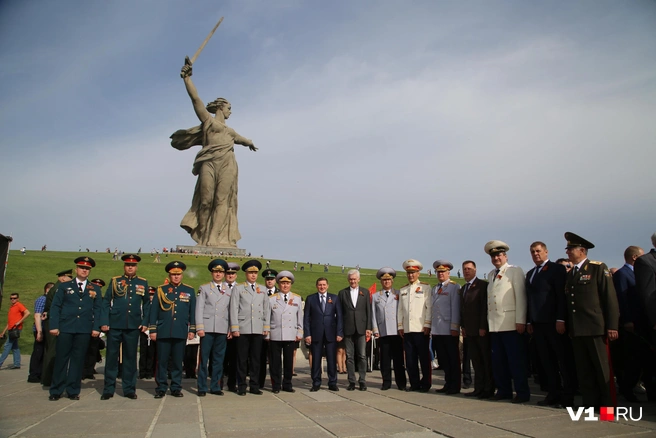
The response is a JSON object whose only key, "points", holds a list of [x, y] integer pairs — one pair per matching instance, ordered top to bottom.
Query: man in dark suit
{"points": [[645, 275], [545, 294], [473, 310], [356, 311], [592, 319], [323, 327]]}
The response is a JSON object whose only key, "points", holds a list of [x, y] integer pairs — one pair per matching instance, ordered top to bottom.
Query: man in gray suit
{"points": [[356, 313], [212, 315], [383, 320], [249, 322], [286, 330]]}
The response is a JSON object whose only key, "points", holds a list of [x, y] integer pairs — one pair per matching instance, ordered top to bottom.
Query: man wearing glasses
{"points": [[17, 314]]}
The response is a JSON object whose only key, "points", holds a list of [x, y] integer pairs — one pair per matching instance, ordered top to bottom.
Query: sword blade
{"points": [[202, 46]]}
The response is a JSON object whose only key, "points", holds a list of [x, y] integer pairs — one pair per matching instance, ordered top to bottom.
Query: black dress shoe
{"points": [[34, 380], [351, 387], [363, 387], [385, 387], [316, 388], [333, 388], [232, 389], [410, 389], [424, 389], [289, 390], [442, 390], [276, 391], [219, 392], [241, 392], [255, 392], [453, 392], [177, 393], [201, 393], [160, 394], [473, 394], [485, 395], [106, 396], [131, 396], [54, 397], [74, 397], [499, 397], [519, 399], [548, 402]]}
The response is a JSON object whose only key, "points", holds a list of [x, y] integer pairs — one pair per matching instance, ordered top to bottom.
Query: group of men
{"points": [[572, 312]]}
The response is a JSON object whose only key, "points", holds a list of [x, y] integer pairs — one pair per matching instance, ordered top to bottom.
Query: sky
{"points": [[386, 130]]}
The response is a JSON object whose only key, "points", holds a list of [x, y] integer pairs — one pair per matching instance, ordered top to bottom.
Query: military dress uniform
{"points": [[384, 306], [125, 310], [592, 310], [445, 311], [76, 314], [250, 316], [413, 316], [212, 317], [172, 318], [286, 328], [264, 353]]}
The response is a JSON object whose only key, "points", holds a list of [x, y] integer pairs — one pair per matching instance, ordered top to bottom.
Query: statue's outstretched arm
{"points": [[199, 106], [244, 142]]}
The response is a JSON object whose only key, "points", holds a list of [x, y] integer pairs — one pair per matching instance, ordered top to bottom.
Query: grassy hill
{"points": [[27, 274]]}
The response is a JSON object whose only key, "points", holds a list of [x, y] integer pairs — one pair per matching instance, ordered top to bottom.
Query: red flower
{"points": [[418, 289]]}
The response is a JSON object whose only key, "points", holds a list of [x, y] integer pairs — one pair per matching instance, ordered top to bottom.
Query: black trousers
{"points": [[391, 352], [248, 353], [417, 354], [147, 355], [448, 356], [481, 357], [264, 358], [36, 360], [191, 360], [466, 362], [230, 364], [281, 370], [558, 370], [593, 370]]}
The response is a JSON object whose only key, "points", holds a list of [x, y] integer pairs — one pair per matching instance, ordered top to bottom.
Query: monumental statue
{"points": [[212, 218]]}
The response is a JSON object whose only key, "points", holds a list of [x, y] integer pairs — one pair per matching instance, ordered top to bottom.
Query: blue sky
{"points": [[387, 130]]}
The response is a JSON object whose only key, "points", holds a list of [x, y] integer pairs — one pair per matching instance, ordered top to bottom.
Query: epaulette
{"points": [[593, 262], [118, 276], [141, 278], [421, 282], [188, 285], [405, 285]]}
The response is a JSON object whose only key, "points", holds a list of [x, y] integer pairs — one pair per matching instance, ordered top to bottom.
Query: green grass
{"points": [[29, 273]]}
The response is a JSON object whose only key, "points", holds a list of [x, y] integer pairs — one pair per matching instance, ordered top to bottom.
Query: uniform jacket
{"points": [[645, 273], [546, 295], [506, 299], [591, 301], [126, 303], [414, 307], [473, 307], [213, 308], [445, 308], [249, 309], [76, 311], [172, 312], [383, 313], [286, 318], [357, 320], [317, 323]]}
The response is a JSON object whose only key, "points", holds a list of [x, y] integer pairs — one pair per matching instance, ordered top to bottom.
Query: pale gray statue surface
{"points": [[212, 218]]}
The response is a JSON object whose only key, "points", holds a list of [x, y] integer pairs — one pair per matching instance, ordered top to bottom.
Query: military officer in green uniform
{"points": [[125, 315], [74, 319], [592, 320], [172, 322], [51, 341]]}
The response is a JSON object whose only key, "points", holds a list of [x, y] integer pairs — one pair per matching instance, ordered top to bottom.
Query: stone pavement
{"points": [[25, 411]]}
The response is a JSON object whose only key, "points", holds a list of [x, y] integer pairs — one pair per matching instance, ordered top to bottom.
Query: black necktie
{"points": [[576, 270], [535, 272], [496, 273], [81, 285], [230, 285], [253, 287], [270, 292], [464, 292], [386, 294], [285, 298]]}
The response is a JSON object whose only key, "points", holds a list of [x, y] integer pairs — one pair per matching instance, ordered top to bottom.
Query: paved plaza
{"points": [[25, 411]]}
